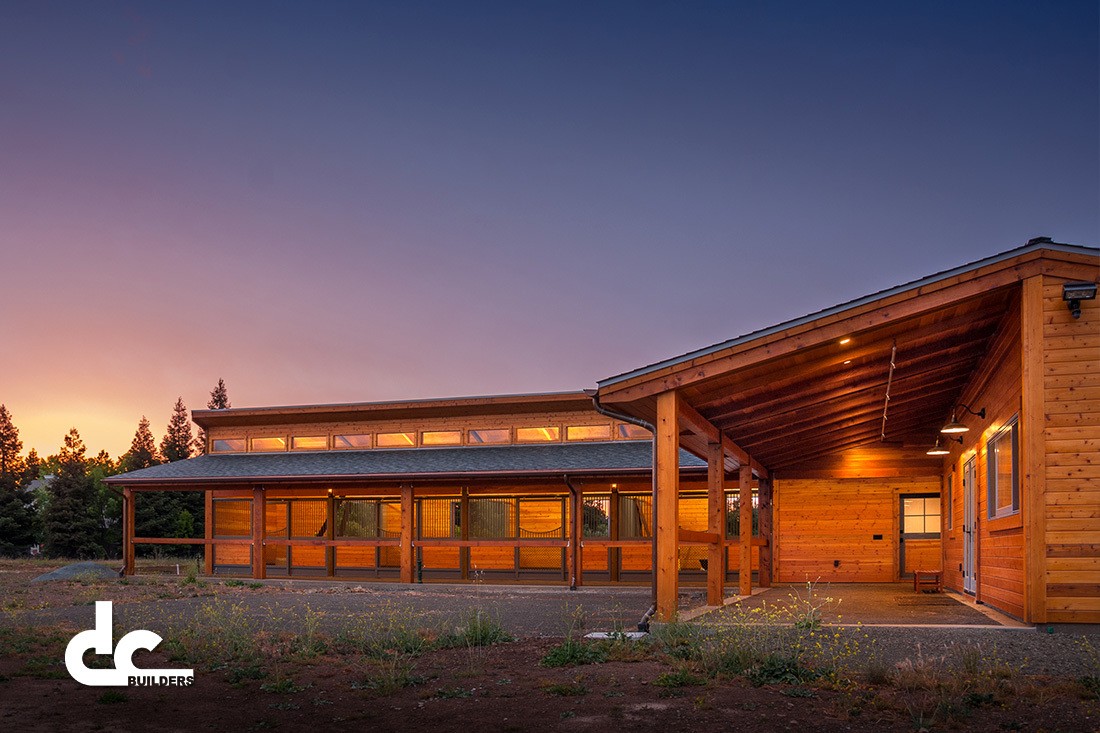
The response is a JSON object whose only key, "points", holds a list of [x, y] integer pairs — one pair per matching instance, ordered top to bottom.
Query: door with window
{"points": [[970, 514], [920, 533]]}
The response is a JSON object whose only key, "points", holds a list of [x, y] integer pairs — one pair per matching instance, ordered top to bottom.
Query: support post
{"points": [[1033, 450], [765, 494], [716, 505], [129, 513], [259, 514], [464, 532], [208, 534], [330, 534], [574, 552], [614, 560], [407, 563], [667, 570], [744, 574]]}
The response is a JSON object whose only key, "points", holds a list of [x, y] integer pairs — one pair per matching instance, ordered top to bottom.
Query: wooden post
{"points": [[1032, 446], [765, 494], [716, 514], [259, 516], [128, 524], [208, 525], [464, 532], [330, 534], [574, 552], [613, 555], [407, 564], [744, 570], [667, 571]]}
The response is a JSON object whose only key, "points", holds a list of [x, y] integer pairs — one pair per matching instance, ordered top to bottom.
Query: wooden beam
{"points": [[690, 418], [1033, 450], [667, 471], [407, 513], [259, 514], [716, 515], [128, 524], [464, 532], [208, 534], [330, 534], [698, 537], [576, 538], [614, 555], [744, 570]]}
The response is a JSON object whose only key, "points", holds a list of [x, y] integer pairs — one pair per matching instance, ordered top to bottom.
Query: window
{"points": [[588, 432], [632, 432], [503, 435], [538, 435], [441, 437], [396, 440], [309, 442], [356, 442], [268, 444], [228, 445], [1003, 471], [948, 500], [920, 515], [232, 517]]}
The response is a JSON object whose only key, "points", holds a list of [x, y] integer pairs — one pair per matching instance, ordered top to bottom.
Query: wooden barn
{"points": [[951, 424]]}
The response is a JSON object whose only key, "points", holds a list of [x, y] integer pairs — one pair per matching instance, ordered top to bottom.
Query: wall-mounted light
{"points": [[1074, 293], [954, 426], [939, 450]]}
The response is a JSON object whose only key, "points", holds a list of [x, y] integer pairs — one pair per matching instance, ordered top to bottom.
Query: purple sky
{"points": [[326, 202]]}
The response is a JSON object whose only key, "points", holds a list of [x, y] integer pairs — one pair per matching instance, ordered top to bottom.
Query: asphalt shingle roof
{"points": [[481, 460]]}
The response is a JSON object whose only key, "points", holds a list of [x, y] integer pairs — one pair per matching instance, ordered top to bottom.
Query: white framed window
{"points": [[1003, 471]]}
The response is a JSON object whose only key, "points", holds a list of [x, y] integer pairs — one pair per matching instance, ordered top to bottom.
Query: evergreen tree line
{"points": [[62, 504]]}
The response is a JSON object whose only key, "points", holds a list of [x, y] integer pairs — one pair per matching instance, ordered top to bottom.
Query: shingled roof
{"points": [[506, 460]]}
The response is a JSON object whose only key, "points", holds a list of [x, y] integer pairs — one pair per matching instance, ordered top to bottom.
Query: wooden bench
{"points": [[925, 580]]}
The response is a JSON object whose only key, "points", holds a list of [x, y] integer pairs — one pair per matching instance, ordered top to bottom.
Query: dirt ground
{"points": [[500, 687]]}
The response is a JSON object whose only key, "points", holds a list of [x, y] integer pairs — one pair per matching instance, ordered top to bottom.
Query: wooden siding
{"points": [[1071, 383], [822, 521]]}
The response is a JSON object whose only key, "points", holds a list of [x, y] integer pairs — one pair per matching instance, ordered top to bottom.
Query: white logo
{"points": [[125, 674]]}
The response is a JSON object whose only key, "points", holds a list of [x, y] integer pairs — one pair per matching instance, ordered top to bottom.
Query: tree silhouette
{"points": [[219, 400], [177, 442], [143, 449], [17, 517], [70, 520]]}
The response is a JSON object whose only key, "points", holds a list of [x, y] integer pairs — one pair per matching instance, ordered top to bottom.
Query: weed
{"points": [[234, 583], [255, 586], [479, 629], [572, 652], [781, 669], [236, 675], [387, 676], [679, 678], [282, 686], [566, 689], [798, 692], [453, 693]]}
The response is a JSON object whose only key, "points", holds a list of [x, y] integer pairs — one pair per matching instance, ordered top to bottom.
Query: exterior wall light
{"points": [[1074, 293], [953, 426], [939, 450]]}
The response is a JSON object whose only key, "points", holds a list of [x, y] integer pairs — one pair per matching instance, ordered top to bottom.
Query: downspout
{"points": [[575, 496], [643, 624]]}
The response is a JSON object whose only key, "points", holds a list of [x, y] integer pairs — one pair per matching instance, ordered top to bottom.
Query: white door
{"points": [[970, 515]]}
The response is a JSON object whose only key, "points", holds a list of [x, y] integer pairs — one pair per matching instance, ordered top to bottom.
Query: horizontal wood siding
{"points": [[1071, 383], [822, 521]]}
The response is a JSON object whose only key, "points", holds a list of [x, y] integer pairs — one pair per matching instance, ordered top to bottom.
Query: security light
{"points": [[1074, 293]]}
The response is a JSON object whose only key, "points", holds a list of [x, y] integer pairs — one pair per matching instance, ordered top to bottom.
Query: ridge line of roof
{"points": [[840, 307]]}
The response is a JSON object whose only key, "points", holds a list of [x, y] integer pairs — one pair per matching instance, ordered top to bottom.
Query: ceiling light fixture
{"points": [[1074, 293], [845, 340], [953, 426]]}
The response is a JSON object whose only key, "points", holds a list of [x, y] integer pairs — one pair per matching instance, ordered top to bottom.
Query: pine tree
{"points": [[219, 400], [177, 442], [10, 445], [143, 449], [17, 517], [70, 519]]}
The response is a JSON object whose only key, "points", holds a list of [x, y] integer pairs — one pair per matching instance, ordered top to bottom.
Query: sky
{"points": [[342, 202]]}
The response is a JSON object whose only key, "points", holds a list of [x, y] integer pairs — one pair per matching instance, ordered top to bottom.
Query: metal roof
{"points": [[1034, 245], [479, 461]]}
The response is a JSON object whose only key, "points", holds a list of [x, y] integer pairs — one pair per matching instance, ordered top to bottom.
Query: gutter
{"points": [[643, 624]]}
